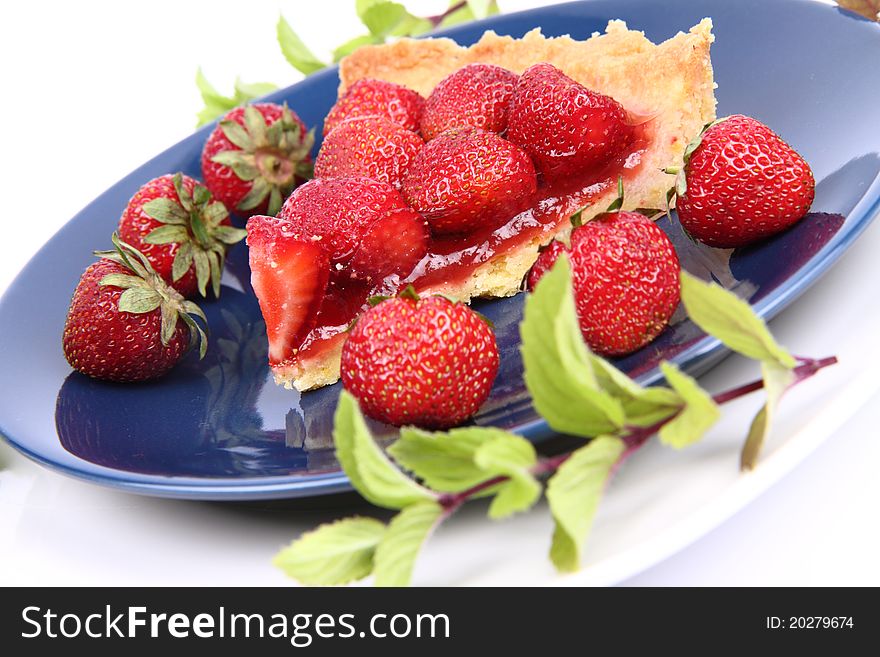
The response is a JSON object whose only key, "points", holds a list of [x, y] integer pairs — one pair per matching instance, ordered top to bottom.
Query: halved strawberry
{"points": [[392, 246], [289, 276]]}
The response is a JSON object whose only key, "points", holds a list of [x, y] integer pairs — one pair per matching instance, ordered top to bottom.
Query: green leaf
{"points": [[362, 6], [481, 8], [381, 18], [412, 26], [353, 44], [295, 51], [246, 91], [209, 93], [216, 104], [256, 125], [236, 133], [241, 163], [259, 191], [201, 195], [275, 201], [166, 211], [214, 214], [168, 234], [230, 234], [183, 260], [203, 270], [216, 271], [123, 281], [139, 300], [732, 320], [169, 322], [558, 369], [776, 381], [642, 407], [698, 414], [511, 456], [444, 461], [370, 471], [574, 493], [400, 545], [335, 553]]}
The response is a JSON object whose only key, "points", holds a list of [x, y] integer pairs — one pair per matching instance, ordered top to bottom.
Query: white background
{"points": [[92, 89]]}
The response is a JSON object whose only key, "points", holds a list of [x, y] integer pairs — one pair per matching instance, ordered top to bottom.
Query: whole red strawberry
{"points": [[476, 95], [369, 97], [566, 128], [371, 146], [255, 157], [467, 179], [741, 183], [352, 218], [181, 230], [625, 275], [125, 323], [428, 362]]}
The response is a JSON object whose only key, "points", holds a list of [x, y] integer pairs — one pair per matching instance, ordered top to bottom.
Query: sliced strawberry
{"points": [[393, 245], [289, 276]]}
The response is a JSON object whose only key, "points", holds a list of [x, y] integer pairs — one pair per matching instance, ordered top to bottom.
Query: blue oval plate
{"points": [[220, 429]]}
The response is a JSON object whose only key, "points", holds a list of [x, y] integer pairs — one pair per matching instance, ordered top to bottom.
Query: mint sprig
{"points": [[382, 20], [427, 475], [574, 493]]}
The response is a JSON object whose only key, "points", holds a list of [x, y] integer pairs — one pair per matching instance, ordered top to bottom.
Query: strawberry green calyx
{"points": [[273, 156], [680, 187], [617, 203], [196, 223], [146, 291], [409, 293]]}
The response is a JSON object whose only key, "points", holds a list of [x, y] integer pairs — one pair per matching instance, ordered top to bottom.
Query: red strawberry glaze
{"points": [[452, 259]]}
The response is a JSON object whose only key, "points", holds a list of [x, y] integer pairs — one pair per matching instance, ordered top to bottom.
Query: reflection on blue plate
{"points": [[221, 429]]}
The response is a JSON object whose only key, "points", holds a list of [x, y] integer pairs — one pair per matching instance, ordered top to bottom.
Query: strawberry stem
{"points": [[436, 20]]}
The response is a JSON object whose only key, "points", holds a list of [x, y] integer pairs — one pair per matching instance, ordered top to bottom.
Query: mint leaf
{"points": [[361, 7], [481, 8], [381, 18], [384, 18], [412, 26], [353, 44], [295, 51], [245, 91], [216, 104], [730, 319], [558, 370], [777, 380], [642, 407], [698, 414], [514, 457], [444, 461], [370, 471], [574, 493], [397, 552], [336, 553]]}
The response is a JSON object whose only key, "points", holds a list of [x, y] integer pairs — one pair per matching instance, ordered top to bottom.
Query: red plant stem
{"points": [[436, 20], [633, 438]]}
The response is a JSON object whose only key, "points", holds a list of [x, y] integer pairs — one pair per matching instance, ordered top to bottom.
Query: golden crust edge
{"points": [[681, 104]]}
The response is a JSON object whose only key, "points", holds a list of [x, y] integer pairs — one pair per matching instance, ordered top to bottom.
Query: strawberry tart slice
{"points": [[447, 168]]}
